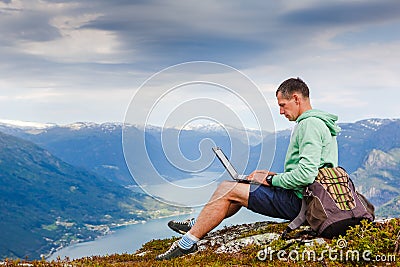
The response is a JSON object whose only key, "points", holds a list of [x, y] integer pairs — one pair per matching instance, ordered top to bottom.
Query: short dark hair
{"points": [[288, 87]]}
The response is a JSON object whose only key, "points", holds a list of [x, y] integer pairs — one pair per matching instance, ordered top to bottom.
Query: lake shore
{"points": [[109, 229], [130, 238]]}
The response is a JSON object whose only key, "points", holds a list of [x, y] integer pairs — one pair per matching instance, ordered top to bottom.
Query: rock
{"points": [[221, 237], [234, 238], [236, 245]]}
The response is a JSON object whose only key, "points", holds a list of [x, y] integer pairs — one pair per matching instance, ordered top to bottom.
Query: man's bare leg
{"points": [[226, 201], [233, 209]]}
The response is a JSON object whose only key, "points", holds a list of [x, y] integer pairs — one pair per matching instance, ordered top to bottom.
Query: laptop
{"points": [[228, 166]]}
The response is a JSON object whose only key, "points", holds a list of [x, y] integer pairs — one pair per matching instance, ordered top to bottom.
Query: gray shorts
{"points": [[274, 202]]}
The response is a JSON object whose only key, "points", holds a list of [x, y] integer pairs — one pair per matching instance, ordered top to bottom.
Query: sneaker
{"points": [[181, 227], [175, 251]]}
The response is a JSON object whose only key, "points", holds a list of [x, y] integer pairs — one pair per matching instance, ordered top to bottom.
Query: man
{"points": [[312, 145]]}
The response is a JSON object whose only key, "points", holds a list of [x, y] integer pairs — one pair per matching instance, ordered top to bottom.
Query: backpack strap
{"points": [[327, 165]]}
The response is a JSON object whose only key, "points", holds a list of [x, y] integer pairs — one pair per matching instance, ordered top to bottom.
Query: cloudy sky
{"points": [[68, 61]]}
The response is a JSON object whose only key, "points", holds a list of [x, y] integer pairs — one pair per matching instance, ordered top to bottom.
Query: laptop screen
{"points": [[224, 160]]}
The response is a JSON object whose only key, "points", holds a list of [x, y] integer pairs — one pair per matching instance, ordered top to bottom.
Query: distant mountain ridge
{"points": [[357, 140], [98, 147]]}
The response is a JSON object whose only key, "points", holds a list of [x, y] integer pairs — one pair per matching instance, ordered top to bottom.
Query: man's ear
{"points": [[296, 98]]}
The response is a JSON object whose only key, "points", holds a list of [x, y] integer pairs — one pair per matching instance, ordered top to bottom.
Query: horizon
{"points": [[43, 125]]}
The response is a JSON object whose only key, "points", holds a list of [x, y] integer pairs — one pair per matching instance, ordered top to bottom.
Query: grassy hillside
{"points": [[47, 203]]}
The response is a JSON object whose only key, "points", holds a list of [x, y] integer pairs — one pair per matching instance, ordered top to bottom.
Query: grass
{"points": [[378, 239]]}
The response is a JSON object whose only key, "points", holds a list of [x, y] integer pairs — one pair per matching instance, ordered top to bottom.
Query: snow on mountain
{"points": [[26, 124], [374, 124], [76, 126], [37, 127], [254, 135]]}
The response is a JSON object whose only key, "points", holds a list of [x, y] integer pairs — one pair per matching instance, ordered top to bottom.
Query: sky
{"points": [[69, 61]]}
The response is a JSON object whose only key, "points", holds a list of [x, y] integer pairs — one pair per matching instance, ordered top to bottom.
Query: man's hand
{"points": [[259, 176]]}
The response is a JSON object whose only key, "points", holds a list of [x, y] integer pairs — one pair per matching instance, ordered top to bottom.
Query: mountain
{"points": [[357, 140], [278, 143], [194, 146], [98, 147], [370, 151], [379, 180], [63, 184], [47, 203], [391, 209]]}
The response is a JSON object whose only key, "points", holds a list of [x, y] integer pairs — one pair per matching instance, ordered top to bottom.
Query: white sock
{"points": [[187, 241]]}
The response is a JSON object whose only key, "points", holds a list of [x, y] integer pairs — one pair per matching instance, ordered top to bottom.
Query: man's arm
{"points": [[311, 134], [259, 176]]}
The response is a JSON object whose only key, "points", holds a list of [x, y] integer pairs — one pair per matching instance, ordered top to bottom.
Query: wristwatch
{"points": [[269, 179]]}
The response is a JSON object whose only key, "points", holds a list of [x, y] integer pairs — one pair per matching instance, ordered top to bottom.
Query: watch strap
{"points": [[269, 179]]}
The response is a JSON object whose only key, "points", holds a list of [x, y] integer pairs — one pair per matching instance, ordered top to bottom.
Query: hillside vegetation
{"points": [[47, 204], [367, 244]]}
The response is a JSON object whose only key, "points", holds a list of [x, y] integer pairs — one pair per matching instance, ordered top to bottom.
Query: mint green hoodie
{"points": [[313, 144]]}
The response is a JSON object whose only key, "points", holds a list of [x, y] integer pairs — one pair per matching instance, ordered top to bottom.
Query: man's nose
{"points": [[281, 111]]}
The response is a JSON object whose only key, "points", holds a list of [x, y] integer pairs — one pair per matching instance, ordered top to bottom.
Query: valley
{"points": [[63, 184]]}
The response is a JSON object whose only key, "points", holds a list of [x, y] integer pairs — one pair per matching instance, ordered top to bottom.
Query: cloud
{"points": [[344, 13], [21, 21], [173, 32], [56, 36], [77, 46], [83, 46]]}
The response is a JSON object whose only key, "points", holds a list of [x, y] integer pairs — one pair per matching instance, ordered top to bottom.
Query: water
{"points": [[194, 191], [130, 238]]}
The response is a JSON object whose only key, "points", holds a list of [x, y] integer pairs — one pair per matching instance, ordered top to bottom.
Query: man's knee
{"points": [[227, 184], [225, 187], [233, 191]]}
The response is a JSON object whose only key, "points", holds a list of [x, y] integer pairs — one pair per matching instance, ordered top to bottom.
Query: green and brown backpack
{"points": [[331, 204]]}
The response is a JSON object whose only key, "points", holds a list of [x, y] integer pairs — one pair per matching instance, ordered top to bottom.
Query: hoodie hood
{"points": [[327, 118]]}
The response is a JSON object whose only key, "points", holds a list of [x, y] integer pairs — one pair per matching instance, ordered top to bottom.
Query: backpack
{"points": [[331, 205]]}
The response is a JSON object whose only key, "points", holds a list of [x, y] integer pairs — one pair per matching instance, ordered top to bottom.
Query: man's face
{"points": [[288, 107]]}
